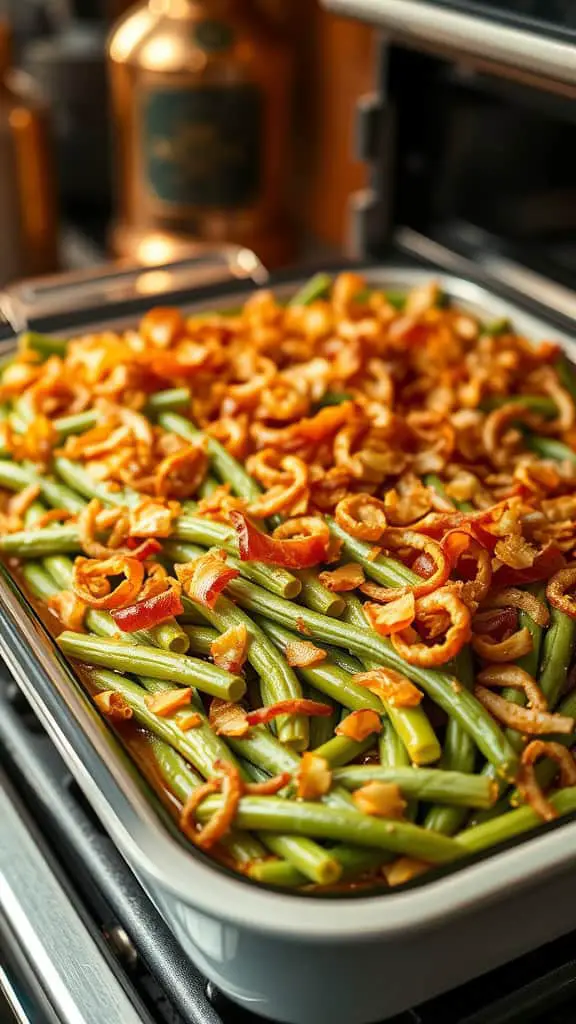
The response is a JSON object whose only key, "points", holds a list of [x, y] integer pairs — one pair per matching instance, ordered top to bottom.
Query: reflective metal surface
{"points": [[445, 29], [37, 918]]}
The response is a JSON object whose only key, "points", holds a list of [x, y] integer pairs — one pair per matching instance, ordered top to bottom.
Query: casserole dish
{"points": [[298, 958]]}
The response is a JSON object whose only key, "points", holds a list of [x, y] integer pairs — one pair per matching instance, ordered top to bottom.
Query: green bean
{"points": [[316, 287], [500, 326], [43, 344], [566, 374], [333, 398], [162, 401], [540, 404], [549, 448], [225, 465], [16, 478], [80, 480], [433, 481], [207, 487], [205, 532], [50, 540], [386, 571], [38, 581], [42, 584], [316, 596], [169, 636], [201, 639], [557, 652], [124, 656], [342, 659], [529, 662], [329, 679], [277, 680], [456, 702], [411, 724], [322, 727], [200, 746], [340, 750], [393, 754], [459, 754], [182, 780], [429, 784], [317, 821], [498, 830], [307, 857], [310, 859], [356, 861], [278, 873]]}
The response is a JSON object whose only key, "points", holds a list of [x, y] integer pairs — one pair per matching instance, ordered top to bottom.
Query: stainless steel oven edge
{"points": [[292, 958]]}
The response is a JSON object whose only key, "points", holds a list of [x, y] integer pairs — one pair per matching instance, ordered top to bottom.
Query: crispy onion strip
{"points": [[282, 496], [362, 516], [90, 523], [394, 539], [458, 545], [91, 581], [557, 591], [511, 597], [458, 632], [510, 649], [517, 679], [524, 720], [528, 785], [231, 787]]}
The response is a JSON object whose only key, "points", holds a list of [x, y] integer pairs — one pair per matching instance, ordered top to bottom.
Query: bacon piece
{"points": [[308, 548], [91, 581], [149, 612], [229, 650], [301, 653], [168, 701], [296, 706], [228, 719], [359, 725], [314, 777], [380, 799]]}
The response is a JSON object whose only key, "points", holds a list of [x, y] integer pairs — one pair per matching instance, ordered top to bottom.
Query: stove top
{"points": [[117, 922]]}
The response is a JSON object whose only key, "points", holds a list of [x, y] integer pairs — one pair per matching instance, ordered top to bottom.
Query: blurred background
{"points": [[137, 131]]}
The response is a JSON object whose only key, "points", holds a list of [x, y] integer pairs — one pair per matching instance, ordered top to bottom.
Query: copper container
{"points": [[201, 101], [28, 245]]}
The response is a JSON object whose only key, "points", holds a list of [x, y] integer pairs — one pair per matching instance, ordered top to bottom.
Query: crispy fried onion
{"points": [[499, 441], [180, 474], [289, 492], [19, 504], [362, 516], [153, 518], [92, 520], [406, 540], [460, 548], [346, 577], [204, 579], [91, 581], [557, 591], [511, 597], [69, 609], [434, 610], [393, 617], [510, 649], [229, 650], [300, 653], [517, 679], [392, 687], [168, 701], [113, 705], [294, 706], [228, 719], [531, 721], [358, 725], [314, 777], [229, 784], [528, 785], [380, 799]]}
